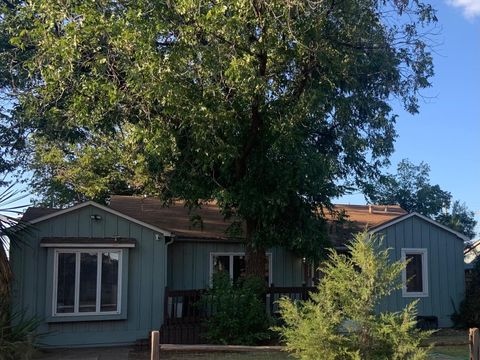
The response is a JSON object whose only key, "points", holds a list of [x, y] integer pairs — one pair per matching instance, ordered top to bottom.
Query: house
{"points": [[104, 275]]}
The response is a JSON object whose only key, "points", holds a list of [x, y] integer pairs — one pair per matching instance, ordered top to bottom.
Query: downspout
{"points": [[167, 243]]}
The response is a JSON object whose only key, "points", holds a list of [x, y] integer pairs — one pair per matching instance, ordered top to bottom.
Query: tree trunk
{"points": [[255, 256]]}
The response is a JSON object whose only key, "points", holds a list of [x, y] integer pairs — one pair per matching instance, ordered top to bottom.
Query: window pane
{"points": [[221, 263], [238, 267], [414, 273], [109, 281], [88, 282], [66, 283]]}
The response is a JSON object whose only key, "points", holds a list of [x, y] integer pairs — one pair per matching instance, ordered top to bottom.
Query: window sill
{"points": [[414, 295], [76, 318]]}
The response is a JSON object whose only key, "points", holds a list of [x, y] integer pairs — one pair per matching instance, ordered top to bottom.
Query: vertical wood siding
{"points": [[189, 264], [445, 267], [189, 268], [146, 279]]}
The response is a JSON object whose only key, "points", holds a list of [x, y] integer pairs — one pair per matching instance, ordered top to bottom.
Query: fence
{"points": [[473, 336], [474, 340]]}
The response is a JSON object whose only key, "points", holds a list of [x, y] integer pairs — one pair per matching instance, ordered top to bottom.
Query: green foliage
{"points": [[269, 107], [411, 189], [460, 219], [468, 313], [239, 315], [340, 322], [17, 333]]}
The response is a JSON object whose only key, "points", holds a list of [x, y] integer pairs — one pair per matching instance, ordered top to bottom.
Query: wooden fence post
{"points": [[474, 340], [155, 350]]}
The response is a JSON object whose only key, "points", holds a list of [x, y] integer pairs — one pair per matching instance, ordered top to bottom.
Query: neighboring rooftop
{"points": [[208, 222]]}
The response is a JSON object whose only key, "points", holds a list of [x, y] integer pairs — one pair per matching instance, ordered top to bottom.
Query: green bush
{"points": [[238, 311], [468, 314], [340, 322], [17, 333]]}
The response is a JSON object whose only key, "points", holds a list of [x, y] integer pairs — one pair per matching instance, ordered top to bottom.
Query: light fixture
{"points": [[96, 217]]}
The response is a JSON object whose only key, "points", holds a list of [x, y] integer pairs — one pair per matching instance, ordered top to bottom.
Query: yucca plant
{"points": [[9, 213], [16, 331]]}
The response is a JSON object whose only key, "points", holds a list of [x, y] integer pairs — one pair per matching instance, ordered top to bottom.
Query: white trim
{"points": [[104, 208], [407, 216], [82, 245], [424, 253], [232, 254], [99, 280], [76, 300]]}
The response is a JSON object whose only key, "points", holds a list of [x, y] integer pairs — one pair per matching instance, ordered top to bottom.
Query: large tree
{"points": [[269, 107], [411, 189], [459, 218]]}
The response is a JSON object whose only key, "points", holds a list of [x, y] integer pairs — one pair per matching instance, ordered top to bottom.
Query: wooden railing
{"points": [[294, 293], [182, 306], [185, 315]]}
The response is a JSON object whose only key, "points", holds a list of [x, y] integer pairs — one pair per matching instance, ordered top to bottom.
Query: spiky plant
{"points": [[9, 214], [16, 330]]}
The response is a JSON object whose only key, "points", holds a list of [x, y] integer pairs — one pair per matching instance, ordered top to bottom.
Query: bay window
{"points": [[87, 282]]}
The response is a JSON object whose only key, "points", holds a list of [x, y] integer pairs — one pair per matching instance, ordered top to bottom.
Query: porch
{"points": [[184, 316]]}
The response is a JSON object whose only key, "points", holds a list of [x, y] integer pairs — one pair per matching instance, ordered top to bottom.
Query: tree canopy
{"points": [[269, 107], [411, 189], [459, 218]]}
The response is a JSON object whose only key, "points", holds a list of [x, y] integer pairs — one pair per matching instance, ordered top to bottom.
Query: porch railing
{"points": [[182, 306]]}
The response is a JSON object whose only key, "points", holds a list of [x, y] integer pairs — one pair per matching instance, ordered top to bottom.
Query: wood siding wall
{"points": [[189, 264], [146, 279], [446, 284]]}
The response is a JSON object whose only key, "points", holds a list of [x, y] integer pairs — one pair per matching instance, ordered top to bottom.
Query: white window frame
{"points": [[77, 253], [424, 253], [230, 270]]}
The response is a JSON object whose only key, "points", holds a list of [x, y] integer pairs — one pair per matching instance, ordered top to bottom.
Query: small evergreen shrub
{"points": [[238, 311], [468, 314], [340, 322]]}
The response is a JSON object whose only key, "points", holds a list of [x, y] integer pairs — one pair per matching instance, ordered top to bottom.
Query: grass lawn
{"points": [[454, 349], [457, 352], [439, 353]]}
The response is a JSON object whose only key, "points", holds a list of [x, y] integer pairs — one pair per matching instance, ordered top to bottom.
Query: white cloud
{"points": [[471, 8]]}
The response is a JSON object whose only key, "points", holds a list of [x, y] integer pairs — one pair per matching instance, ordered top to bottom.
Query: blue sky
{"points": [[446, 132]]}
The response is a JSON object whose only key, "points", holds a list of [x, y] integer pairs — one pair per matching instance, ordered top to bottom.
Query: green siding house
{"points": [[100, 275]]}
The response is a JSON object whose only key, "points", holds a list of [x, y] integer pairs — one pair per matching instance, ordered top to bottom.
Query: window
{"points": [[234, 265], [415, 274], [87, 282]]}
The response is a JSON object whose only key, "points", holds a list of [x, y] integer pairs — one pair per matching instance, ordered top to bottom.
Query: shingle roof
{"points": [[36, 212], [370, 215], [176, 218], [358, 218], [210, 223]]}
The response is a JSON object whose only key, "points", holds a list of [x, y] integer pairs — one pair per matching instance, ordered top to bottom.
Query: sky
{"points": [[446, 132]]}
